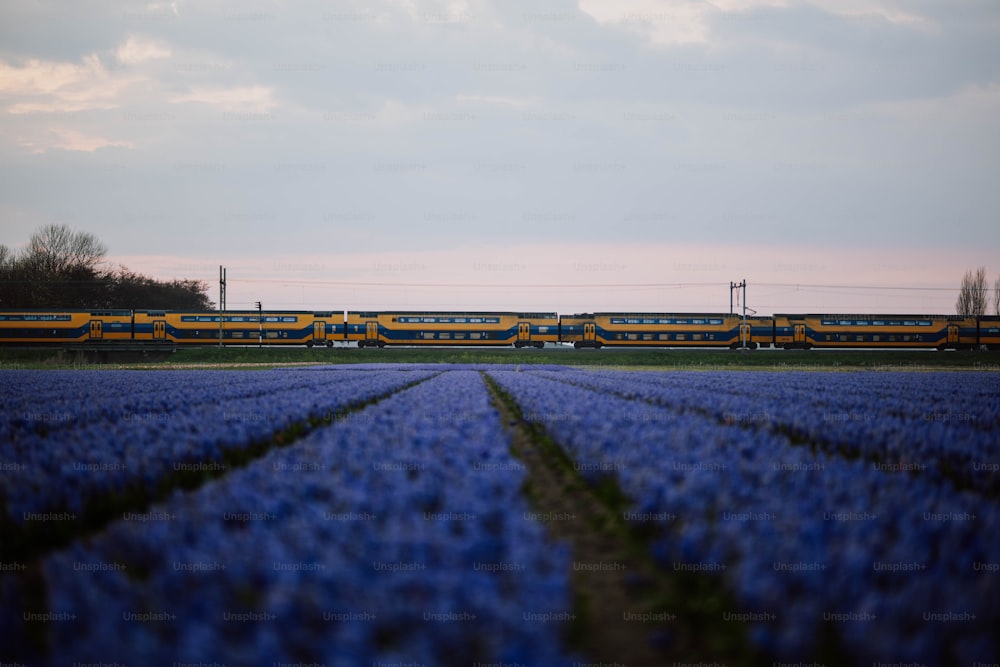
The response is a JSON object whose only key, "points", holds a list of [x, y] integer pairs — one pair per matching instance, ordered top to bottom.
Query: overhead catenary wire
{"points": [[510, 285]]}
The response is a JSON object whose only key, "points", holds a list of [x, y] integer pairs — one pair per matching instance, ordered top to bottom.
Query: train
{"points": [[492, 328]]}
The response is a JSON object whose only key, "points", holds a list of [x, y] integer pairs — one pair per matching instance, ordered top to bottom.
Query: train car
{"points": [[41, 327], [244, 327], [328, 328], [367, 328], [666, 330], [881, 331], [989, 332]]}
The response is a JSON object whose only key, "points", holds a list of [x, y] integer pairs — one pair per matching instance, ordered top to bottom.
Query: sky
{"points": [[841, 156]]}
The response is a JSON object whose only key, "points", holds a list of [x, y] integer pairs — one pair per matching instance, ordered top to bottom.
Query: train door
{"points": [[96, 329], [159, 330], [371, 330], [319, 331], [589, 332], [523, 333], [745, 334], [799, 334], [952, 334]]}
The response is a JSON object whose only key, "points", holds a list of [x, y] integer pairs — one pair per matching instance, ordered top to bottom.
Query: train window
{"points": [[427, 335], [444, 336], [459, 336], [473, 336], [633, 336], [647, 336], [664, 336], [681, 336], [697, 337], [876, 338], [861, 339]]}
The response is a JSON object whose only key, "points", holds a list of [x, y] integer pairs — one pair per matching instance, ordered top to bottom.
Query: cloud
{"points": [[687, 22], [675, 23], [136, 50], [38, 86], [56, 95], [234, 99], [69, 139]]}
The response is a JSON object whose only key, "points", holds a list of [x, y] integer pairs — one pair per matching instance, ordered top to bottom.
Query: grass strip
{"points": [[659, 358]]}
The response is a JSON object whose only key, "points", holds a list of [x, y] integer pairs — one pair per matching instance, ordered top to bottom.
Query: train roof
{"points": [[91, 311], [228, 311], [452, 313], [661, 314], [871, 316]]}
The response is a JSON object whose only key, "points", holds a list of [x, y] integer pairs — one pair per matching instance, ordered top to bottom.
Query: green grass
{"points": [[604, 358]]}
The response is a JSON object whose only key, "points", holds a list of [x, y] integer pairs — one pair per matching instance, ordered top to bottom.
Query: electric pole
{"points": [[742, 286], [222, 299], [260, 325]]}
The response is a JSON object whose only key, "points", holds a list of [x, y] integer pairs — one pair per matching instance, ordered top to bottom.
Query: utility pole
{"points": [[742, 286], [222, 299], [260, 325], [743, 329]]}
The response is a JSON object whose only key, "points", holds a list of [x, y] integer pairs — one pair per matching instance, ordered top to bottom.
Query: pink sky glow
{"points": [[586, 277]]}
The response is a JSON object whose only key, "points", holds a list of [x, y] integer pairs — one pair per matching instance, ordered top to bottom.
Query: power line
{"points": [[336, 283], [346, 283], [800, 286], [865, 287]]}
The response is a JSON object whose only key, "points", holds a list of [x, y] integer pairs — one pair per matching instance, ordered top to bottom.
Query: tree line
{"points": [[65, 269], [975, 294]]}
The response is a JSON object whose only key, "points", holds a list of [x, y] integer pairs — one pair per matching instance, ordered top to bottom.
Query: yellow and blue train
{"points": [[481, 328]]}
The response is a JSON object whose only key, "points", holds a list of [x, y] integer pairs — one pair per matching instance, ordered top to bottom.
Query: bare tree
{"points": [[57, 249], [7, 266], [61, 268], [972, 295], [996, 297]]}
